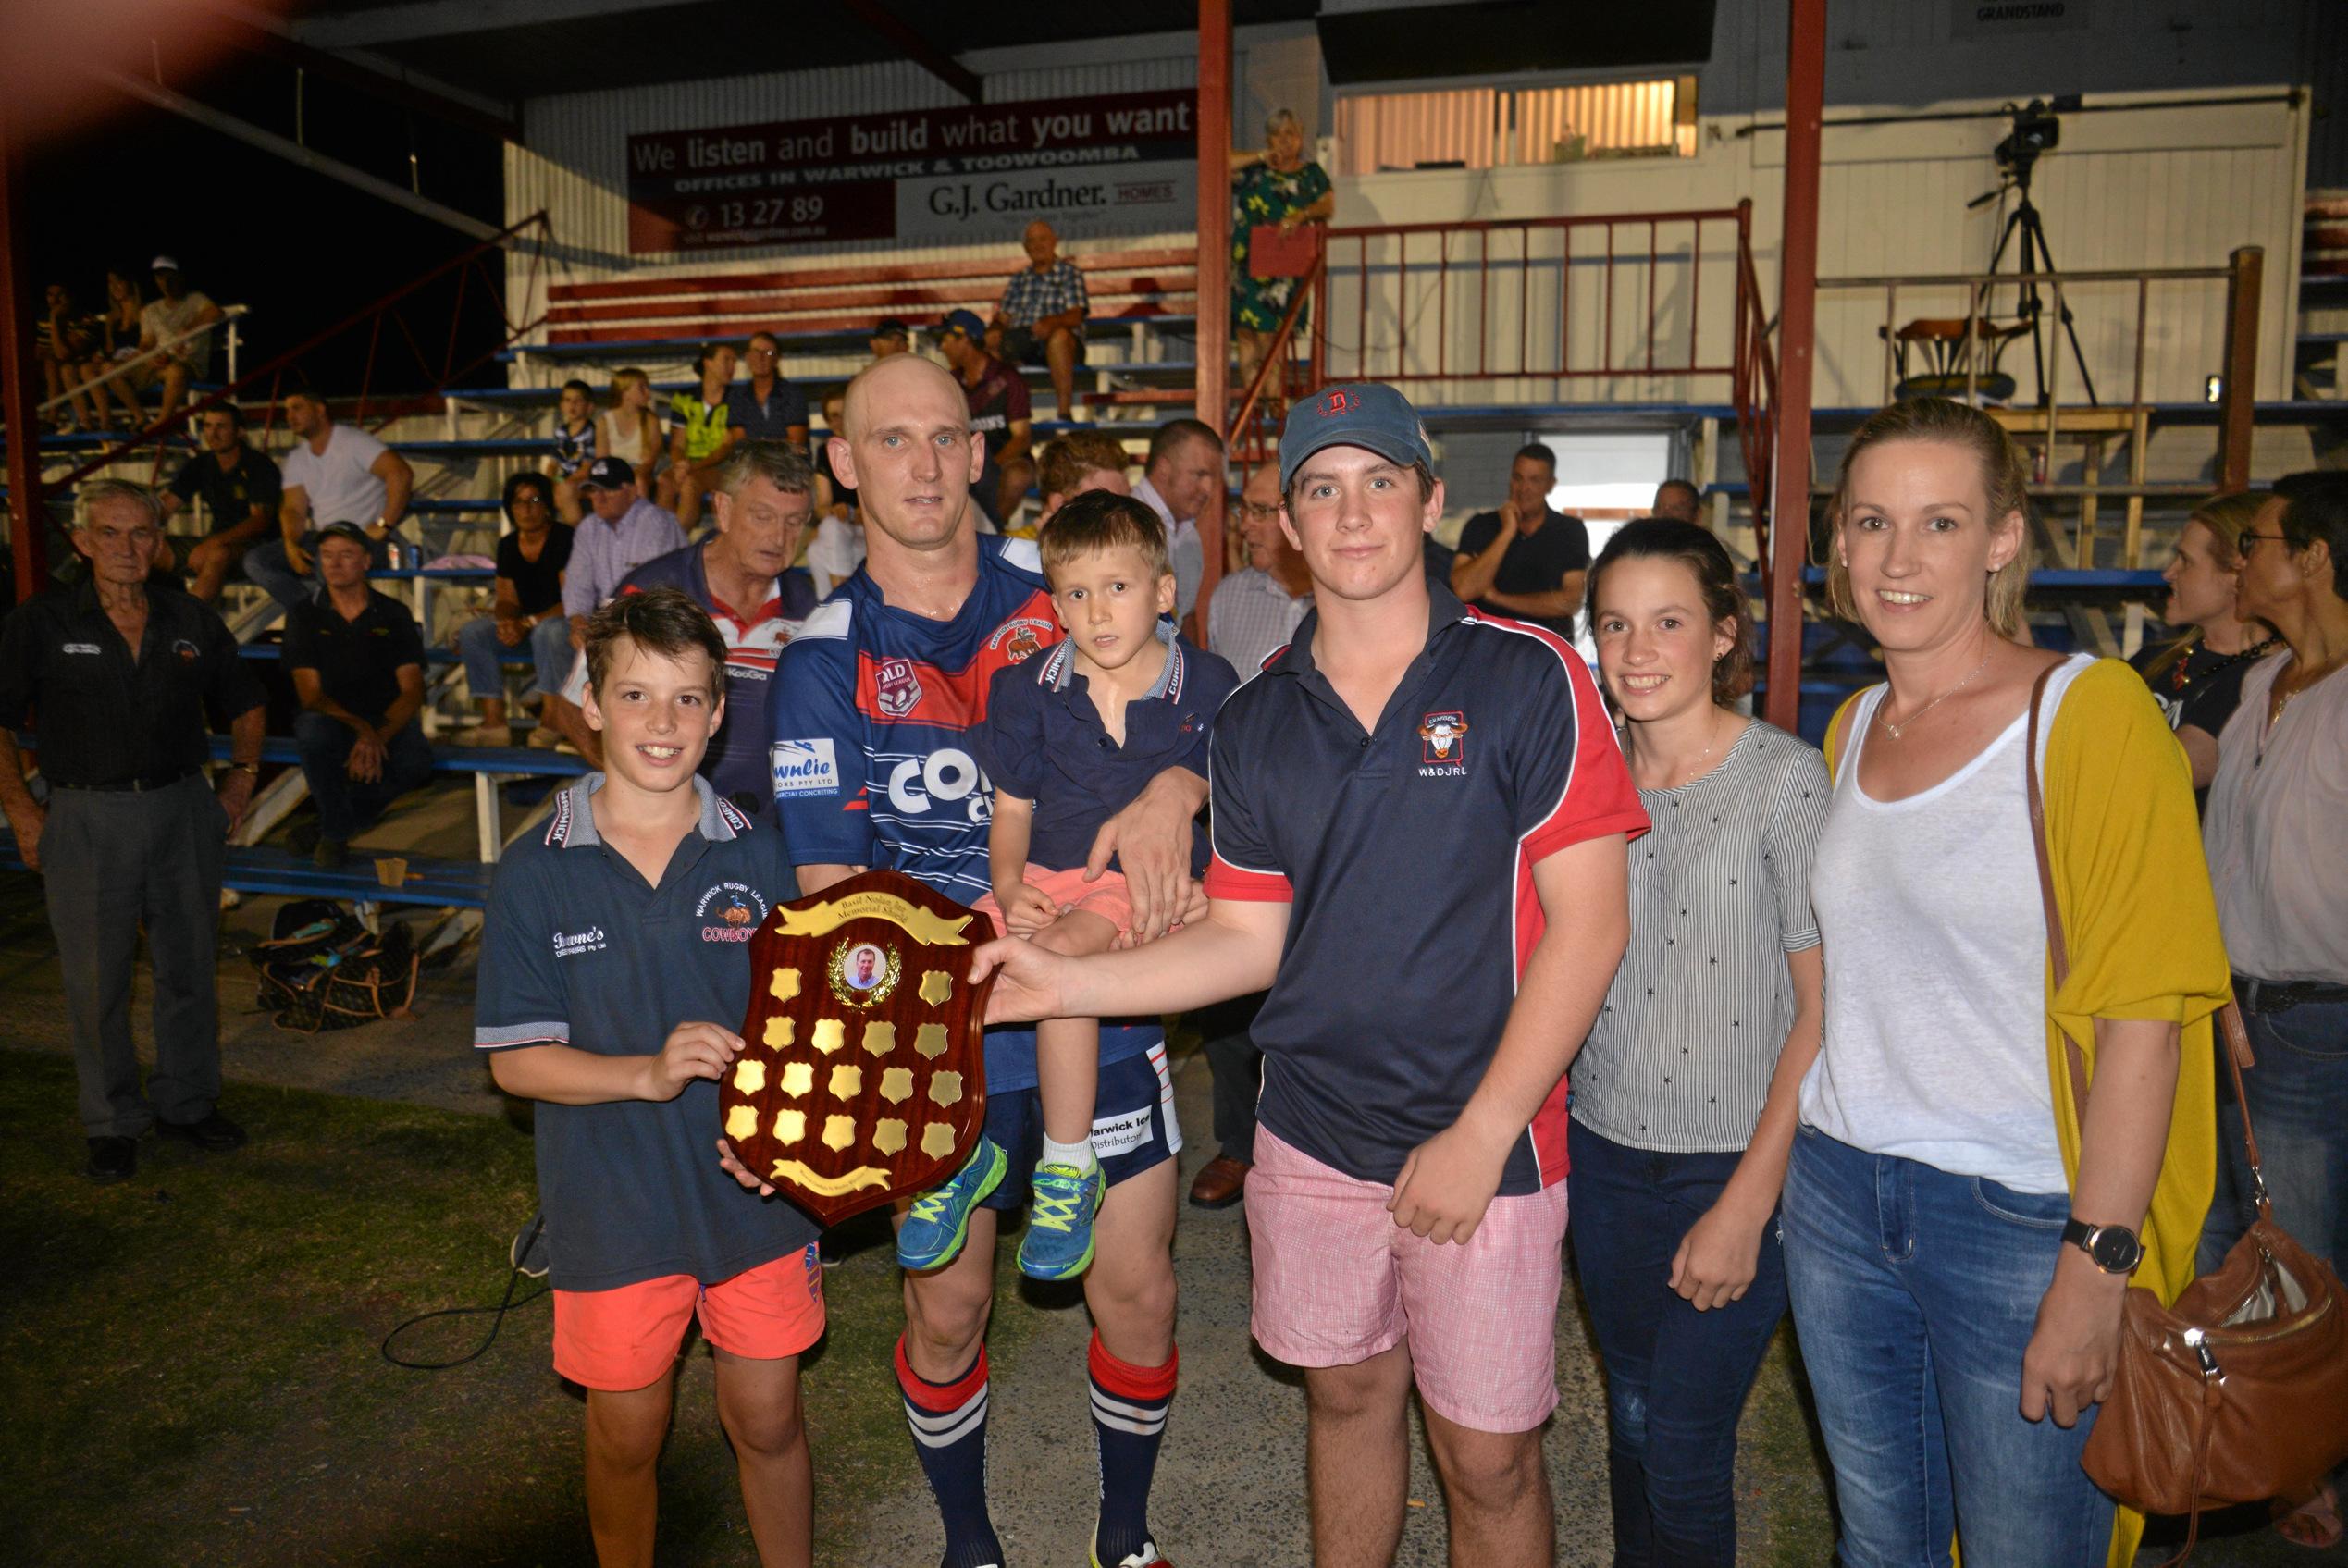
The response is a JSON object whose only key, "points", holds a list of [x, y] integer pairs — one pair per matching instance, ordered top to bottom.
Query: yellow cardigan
{"points": [[2141, 926]]}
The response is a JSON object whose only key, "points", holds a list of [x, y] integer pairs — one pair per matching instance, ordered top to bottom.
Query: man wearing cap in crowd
{"points": [[1040, 319], [162, 321], [890, 336], [1000, 414], [621, 532], [357, 664], [116, 677], [1438, 922]]}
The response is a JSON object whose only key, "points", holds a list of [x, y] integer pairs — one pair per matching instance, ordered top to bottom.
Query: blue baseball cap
{"points": [[966, 322], [1353, 414]]}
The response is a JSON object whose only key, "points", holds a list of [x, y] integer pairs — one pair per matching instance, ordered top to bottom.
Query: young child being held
{"points": [[1071, 736]]}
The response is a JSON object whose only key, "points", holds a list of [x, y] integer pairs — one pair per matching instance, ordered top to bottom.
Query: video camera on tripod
{"points": [[2036, 129]]}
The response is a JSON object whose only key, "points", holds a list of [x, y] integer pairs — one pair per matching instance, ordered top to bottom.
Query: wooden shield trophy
{"points": [[862, 1076]]}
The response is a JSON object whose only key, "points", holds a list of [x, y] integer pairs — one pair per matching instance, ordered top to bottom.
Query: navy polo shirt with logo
{"points": [[1043, 742], [1407, 856], [577, 950]]}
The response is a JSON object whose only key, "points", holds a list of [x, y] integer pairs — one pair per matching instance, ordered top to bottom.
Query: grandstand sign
{"points": [[1125, 164]]}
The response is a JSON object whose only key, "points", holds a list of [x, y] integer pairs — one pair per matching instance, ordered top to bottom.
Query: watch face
{"points": [[2114, 1250]]}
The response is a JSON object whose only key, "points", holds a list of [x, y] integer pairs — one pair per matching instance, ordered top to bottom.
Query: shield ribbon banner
{"points": [[862, 1076]]}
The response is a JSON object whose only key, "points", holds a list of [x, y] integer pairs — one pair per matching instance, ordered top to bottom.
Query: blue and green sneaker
{"points": [[939, 1220], [1059, 1243]]}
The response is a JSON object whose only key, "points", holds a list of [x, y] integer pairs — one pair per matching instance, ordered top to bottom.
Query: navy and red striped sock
{"points": [[948, 1421], [1129, 1423]]}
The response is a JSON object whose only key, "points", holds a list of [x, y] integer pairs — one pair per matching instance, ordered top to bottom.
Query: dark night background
{"points": [[134, 181]]}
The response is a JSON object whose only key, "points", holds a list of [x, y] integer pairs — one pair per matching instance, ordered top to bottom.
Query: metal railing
{"points": [[230, 342]]}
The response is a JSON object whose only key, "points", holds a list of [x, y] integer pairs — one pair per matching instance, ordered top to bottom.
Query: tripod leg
{"points": [[2037, 229]]}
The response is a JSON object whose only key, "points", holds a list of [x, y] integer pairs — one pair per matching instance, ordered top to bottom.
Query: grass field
{"points": [[190, 1367]]}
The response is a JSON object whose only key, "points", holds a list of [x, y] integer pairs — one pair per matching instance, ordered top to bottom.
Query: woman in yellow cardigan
{"points": [[1957, 1237]]}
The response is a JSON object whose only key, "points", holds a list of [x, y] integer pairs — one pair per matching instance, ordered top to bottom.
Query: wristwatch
{"points": [[2113, 1248]]}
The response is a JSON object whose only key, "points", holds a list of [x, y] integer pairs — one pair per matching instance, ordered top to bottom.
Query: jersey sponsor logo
{"points": [[1020, 638], [88, 648], [185, 651], [896, 690], [1443, 738], [802, 768], [919, 784], [730, 911], [571, 944]]}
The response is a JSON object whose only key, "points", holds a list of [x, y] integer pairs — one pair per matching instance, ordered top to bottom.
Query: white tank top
{"points": [[1935, 1032]]}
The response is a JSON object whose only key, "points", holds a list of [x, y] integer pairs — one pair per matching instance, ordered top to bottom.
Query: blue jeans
{"points": [[266, 566], [550, 645], [346, 807], [2299, 1100], [1915, 1293], [1675, 1378]]}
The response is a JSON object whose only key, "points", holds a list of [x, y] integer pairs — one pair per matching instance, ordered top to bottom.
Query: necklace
{"points": [[1898, 730]]}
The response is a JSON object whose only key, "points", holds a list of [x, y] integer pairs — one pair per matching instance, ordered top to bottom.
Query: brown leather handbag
{"points": [[2239, 1390]]}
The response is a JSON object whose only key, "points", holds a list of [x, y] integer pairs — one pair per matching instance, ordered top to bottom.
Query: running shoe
{"points": [[939, 1220], [1059, 1243], [1148, 1557]]}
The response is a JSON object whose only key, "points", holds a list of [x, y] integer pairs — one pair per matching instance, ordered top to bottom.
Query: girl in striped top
{"points": [[1684, 1096]]}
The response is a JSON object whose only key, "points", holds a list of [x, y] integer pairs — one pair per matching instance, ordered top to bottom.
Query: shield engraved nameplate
{"points": [[862, 1076]]}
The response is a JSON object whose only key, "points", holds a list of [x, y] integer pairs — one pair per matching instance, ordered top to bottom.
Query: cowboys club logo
{"points": [[899, 691], [730, 911]]}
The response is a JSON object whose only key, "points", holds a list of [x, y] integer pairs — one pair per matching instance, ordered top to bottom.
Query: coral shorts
{"points": [[1066, 890], [1337, 1282], [629, 1337]]}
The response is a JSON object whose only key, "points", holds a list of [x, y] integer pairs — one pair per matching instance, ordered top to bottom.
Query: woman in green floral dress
{"points": [[1277, 186]]}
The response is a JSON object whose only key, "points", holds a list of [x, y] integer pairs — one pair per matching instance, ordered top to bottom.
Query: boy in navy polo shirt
{"points": [[1069, 740], [1420, 829], [615, 955]]}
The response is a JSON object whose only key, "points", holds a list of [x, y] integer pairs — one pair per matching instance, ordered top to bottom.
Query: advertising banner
{"points": [[1125, 164]]}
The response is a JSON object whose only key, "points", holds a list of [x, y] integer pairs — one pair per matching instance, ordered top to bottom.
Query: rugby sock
{"points": [[1077, 1157], [1128, 1422], [949, 1436]]}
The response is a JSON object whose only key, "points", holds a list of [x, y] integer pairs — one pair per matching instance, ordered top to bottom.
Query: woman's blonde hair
{"points": [[623, 379], [2005, 479], [2225, 517]]}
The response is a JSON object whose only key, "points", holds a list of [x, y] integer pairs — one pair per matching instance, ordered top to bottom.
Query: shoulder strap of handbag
{"points": [[2229, 1023]]}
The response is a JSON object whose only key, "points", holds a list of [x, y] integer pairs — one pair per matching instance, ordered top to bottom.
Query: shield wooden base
{"points": [[863, 1077]]}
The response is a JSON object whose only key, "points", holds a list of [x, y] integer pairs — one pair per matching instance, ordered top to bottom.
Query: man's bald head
{"points": [[881, 378]]}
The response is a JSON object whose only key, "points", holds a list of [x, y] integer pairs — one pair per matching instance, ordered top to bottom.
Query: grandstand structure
{"points": [[1705, 226]]}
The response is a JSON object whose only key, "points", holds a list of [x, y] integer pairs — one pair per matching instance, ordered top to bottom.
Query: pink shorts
{"points": [[1106, 897], [1337, 1282], [629, 1337]]}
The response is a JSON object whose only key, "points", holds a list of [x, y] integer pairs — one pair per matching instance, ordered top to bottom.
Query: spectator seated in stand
{"points": [[1041, 317], [171, 321], [66, 336], [116, 346], [766, 407], [999, 416], [629, 430], [700, 435], [574, 444], [1077, 461], [335, 473], [242, 494], [626, 531], [528, 611], [357, 664]]}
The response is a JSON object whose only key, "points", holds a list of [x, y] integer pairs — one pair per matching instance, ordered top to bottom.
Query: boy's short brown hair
{"points": [[1068, 459], [1101, 520], [663, 621]]}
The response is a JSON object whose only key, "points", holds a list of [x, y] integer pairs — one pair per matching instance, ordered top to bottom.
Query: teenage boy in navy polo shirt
{"points": [[1069, 740], [1420, 821], [615, 955]]}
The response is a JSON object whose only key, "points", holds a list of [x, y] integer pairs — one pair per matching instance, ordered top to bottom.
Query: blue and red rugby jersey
{"points": [[873, 761], [735, 765]]}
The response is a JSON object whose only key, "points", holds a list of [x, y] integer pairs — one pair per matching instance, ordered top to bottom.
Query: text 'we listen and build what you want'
{"points": [[1118, 164]]}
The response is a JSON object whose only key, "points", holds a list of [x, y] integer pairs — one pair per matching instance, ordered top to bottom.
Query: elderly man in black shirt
{"points": [[357, 664], [115, 677]]}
